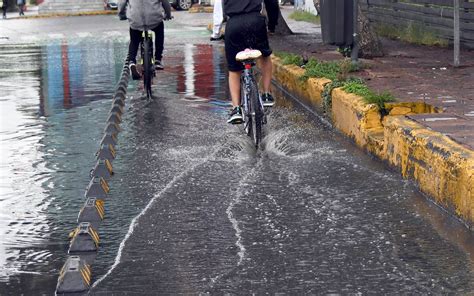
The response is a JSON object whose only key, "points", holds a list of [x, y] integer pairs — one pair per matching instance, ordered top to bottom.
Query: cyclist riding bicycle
{"points": [[143, 14], [246, 28]]}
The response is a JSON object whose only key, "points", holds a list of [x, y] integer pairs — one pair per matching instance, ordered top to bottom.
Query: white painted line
{"points": [[84, 34], [56, 36], [450, 101], [439, 119]]}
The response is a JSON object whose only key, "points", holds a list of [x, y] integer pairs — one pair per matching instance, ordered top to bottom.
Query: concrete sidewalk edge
{"points": [[66, 14], [441, 168]]}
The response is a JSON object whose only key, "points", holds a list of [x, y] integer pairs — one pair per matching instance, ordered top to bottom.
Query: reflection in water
{"points": [[46, 96], [47, 106]]}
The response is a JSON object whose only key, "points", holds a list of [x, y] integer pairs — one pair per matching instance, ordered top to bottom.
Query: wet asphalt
{"points": [[195, 209]]}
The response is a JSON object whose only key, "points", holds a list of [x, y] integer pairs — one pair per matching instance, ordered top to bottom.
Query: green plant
{"points": [[305, 17], [413, 33], [290, 59], [315, 68], [359, 88], [326, 95]]}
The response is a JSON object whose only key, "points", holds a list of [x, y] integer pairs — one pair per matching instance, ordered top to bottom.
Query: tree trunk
{"points": [[282, 28], [369, 43]]}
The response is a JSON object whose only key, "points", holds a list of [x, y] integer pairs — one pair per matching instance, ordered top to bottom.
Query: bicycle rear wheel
{"points": [[147, 65], [256, 113]]}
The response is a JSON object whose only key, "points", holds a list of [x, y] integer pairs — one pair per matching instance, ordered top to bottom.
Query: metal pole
{"points": [[457, 33], [355, 47]]}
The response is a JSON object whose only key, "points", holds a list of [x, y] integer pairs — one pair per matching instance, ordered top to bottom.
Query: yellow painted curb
{"points": [[201, 9], [66, 14], [441, 168]]}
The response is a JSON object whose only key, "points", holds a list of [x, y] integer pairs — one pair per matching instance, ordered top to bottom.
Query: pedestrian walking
{"points": [[21, 5], [4, 8], [273, 12], [218, 19]]}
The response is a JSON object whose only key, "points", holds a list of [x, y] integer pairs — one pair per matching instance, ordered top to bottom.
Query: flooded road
{"points": [[193, 207]]}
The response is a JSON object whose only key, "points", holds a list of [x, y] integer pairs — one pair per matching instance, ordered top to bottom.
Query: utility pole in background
{"points": [[456, 33], [355, 35]]}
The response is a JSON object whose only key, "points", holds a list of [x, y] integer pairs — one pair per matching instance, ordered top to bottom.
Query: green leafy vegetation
{"points": [[305, 17], [413, 33], [289, 58], [338, 72], [359, 88]]}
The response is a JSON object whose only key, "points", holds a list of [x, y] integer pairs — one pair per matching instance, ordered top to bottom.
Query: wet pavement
{"points": [[193, 207]]}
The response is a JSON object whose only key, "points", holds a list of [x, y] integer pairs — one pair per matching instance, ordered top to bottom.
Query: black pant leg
{"points": [[273, 11], [135, 39], [159, 41]]}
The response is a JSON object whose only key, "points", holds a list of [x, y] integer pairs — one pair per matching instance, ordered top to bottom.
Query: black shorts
{"points": [[245, 31]]}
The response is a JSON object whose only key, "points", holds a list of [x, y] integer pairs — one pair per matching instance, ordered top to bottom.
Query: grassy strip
{"points": [[304, 16], [412, 33], [290, 59], [338, 72], [358, 87]]}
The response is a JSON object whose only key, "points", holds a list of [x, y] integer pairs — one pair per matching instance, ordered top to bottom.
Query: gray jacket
{"points": [[145, 12]]}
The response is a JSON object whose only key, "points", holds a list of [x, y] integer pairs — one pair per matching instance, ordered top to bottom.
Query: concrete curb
{"points": [[201, 9], [65, 14], [442, 168]]}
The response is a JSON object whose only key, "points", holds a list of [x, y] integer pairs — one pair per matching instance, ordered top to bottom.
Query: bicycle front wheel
{"points": [[147, 66]]}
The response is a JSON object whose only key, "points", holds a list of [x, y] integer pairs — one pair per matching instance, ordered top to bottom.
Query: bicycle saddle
{"points": [[248, 54]]}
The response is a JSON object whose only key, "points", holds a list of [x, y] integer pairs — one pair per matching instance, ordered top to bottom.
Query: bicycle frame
{"points": [[147, 61], [251, 115]]}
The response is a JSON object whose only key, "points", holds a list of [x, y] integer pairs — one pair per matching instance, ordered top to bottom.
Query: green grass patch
{"points": [[304, 16], [412, 33], [289, 58], [333, 70], [338, 73], [359, 88]]}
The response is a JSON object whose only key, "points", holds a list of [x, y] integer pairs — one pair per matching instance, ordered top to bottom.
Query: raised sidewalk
{"points": [[428, 134]]}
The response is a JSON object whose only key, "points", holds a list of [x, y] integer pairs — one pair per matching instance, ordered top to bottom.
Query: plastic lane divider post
{"points": [[109, 139], [106, 152], [103, 169], [98, 188], [93, 212], [84, 239], [75, 277]]}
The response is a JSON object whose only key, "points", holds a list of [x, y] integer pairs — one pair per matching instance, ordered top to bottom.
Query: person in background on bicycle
{"points": [[141, 13], [246, 28]]}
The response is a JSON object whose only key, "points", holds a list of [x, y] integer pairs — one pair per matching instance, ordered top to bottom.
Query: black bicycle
{"points": [[147, 61], [252, 104]]}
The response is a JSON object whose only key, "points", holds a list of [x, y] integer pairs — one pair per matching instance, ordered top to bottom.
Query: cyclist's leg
{"points": [[135, 39], [159, 40], [234, 42], [265, 62], [265, 65]]}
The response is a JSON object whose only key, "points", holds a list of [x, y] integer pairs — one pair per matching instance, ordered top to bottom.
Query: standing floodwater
{"points": [[193, 208]]}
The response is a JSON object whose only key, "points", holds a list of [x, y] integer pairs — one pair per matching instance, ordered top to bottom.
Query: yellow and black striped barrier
{"points": [[103, 169], [98, 188], [93, 211], [84, 239], [76, 274], [74, 277]]}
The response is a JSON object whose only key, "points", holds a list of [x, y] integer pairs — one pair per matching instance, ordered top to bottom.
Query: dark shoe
{"points": [[217, 38], [159, 65], [134, 72], [268, 100], [235, 116]]}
